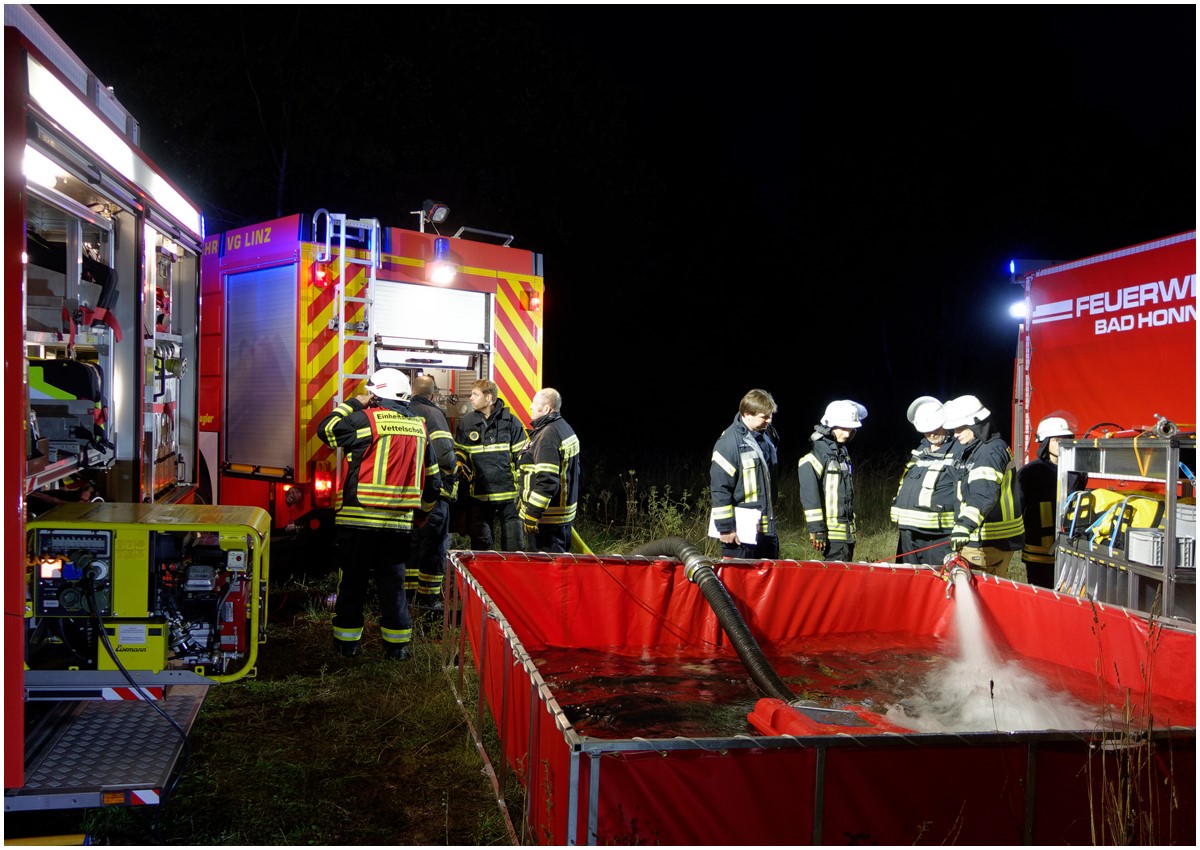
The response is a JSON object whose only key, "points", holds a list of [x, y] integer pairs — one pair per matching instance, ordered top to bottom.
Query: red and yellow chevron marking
{"points": [[516, 344], [318, 346], [517, 359]]}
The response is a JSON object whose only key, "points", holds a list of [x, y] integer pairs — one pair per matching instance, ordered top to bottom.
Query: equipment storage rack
{"points": [[1106, 572]]}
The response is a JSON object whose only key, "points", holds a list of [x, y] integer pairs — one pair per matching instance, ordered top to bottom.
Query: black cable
{"points": [[186, 751]]}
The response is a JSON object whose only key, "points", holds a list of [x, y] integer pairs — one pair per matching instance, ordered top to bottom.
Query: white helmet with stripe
{"points": [[389, 383]]}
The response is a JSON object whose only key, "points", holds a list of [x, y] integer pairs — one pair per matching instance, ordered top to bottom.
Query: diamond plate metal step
{"points": [[82, 750]]}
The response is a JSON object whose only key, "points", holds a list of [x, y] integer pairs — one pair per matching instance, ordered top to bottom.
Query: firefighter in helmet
{"points": [[827, 481], [391, 482], [1038, 483], [923, 509], [988, 527]]}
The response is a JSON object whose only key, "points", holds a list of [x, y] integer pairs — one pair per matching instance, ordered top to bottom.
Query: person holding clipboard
{"points": [[745, 465]]}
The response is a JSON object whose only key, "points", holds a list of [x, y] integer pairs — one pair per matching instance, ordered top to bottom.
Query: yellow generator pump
{"points": [[147, 588]]}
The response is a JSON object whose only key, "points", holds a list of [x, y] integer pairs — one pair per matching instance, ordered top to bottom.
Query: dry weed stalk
{"points": [[1125, 780]]}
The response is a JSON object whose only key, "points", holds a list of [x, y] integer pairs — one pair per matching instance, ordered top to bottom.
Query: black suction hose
{"points": [[700, 572]]}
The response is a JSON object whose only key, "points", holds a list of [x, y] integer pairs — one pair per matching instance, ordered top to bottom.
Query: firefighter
{"points": [[488, 443], [744, 469], [549, 476], [827, 481], [391, 482], [1038, 483], [925, 500], [988, 527], [427, 567]]}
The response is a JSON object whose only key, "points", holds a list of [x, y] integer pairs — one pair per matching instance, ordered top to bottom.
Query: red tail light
{"points": [[321, 275], [323, 484]]}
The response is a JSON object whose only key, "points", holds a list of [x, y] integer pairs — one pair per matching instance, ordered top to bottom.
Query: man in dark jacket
{"points": [[488, 443], [744, 469], [549, 476], [389, 481], [827, 481], [988, 527], [427, 567]]}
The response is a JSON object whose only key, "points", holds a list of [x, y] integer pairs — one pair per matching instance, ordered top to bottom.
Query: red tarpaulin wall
{"points": [[1113, 338], [867, 789]]}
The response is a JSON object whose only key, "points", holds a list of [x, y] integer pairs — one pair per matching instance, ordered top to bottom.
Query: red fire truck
{"points": [[297, 312], [1110, 339], [1109, 344], [123, 601]]}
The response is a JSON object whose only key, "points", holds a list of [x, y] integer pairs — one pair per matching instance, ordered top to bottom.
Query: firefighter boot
{"points": [[428, 605], [347, 648], [397, 651]]}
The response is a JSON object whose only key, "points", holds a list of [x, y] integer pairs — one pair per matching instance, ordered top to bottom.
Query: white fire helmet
{"points": [[389, 383], [963, 412], [844, 414], [925, 414], [1053, 426]]}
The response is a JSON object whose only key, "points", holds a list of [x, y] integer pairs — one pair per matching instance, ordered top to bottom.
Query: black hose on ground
{"points": [[700, 572]]}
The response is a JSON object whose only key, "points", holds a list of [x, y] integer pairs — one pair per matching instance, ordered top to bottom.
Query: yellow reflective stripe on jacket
{"points": [[471, 452], [726, 467], [750, 476], [929, 482], [384, 489], [552, 512], [814, 515], [360, 517], [923, 520], [1011, 523], [834, 527], [1041, 552]]}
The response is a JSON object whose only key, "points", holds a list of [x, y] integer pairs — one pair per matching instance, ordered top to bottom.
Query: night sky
{"points": [[819, 201]]}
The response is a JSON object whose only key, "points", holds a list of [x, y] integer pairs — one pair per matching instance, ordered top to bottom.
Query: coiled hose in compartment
{"points": [[700, 572]]}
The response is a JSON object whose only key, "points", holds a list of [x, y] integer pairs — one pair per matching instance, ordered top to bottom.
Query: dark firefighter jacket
{"points": [[441, 443], [489, 450], [744, 467], [549, 472], [389, 474], [1038, 483], [827, 487], [926, 501], [989, 503]]}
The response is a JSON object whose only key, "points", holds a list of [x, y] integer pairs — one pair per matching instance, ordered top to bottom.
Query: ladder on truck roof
{"points": [[352, 333]]}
